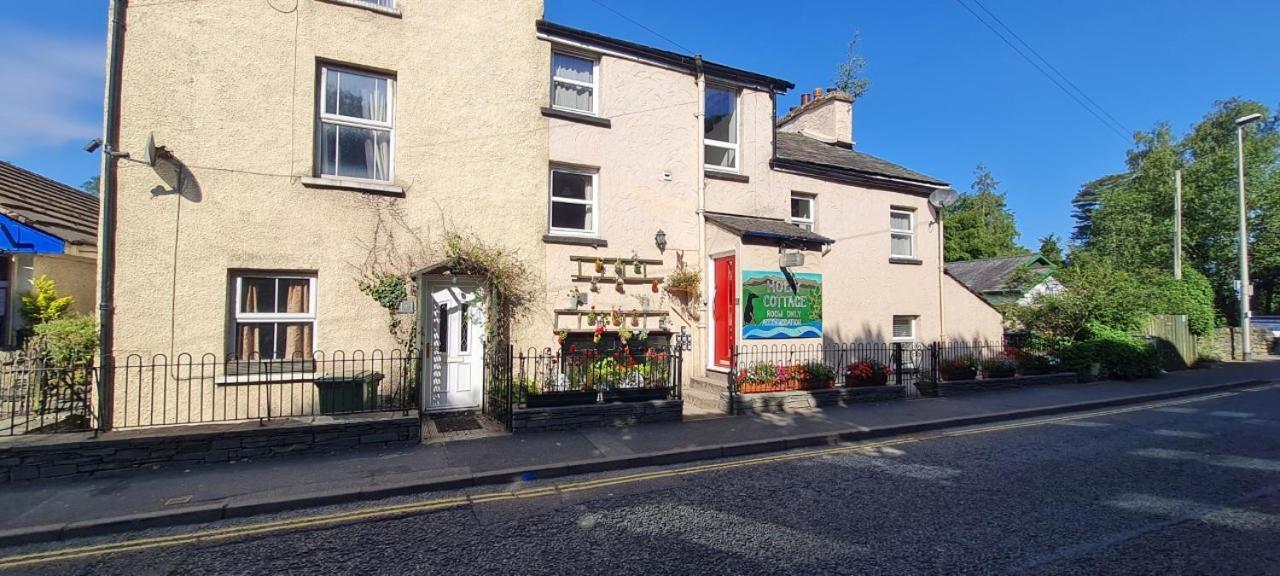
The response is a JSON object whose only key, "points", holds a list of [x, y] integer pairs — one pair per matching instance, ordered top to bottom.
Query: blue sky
{"points": [[946, 92]]}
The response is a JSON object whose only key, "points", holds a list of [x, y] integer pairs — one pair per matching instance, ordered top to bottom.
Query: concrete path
{"points": [[49, 510]]}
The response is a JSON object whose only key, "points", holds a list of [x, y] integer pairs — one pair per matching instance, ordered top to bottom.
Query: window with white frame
{"points": [[388, 4], [573, 82], [356, 125], [720, 128], [574, 201], [804, 210], [902, 233], [274, 316], [904, 328]]}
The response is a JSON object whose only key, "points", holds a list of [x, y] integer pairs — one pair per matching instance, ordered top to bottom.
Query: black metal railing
{"points": [[778, 368], [546, 377], [186, 389], [38, 396]]}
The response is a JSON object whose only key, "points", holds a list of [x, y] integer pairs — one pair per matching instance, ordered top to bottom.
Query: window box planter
{"points": [[951, 374], [871, 382], [815, 384], [927, 388], [636, 394], [554, 399]]}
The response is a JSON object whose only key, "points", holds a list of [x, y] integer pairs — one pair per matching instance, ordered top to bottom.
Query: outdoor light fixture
{"points": [[1244, 235], [660, 239]]}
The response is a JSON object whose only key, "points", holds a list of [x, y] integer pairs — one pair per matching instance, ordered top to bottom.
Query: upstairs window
{"points": [[388, 4], [573, 83], [356, 126], [720, 129], [574, 200], [802, 211], [902, 233], [274, 317]]}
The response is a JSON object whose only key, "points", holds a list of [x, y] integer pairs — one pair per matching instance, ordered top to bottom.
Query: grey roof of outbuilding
{"points": [[801, 148], [48, 205], [766, 228], [991, 274]]}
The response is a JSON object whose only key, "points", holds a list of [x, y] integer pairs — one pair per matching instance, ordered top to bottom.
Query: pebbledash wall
{"points": [[236, 106]]}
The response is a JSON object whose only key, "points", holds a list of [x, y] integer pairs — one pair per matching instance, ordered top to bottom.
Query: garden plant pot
{"points": [[636, 394], [554, 399]]}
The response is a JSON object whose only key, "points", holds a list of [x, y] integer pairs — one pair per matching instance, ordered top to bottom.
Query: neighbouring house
{"points": [[292, 153], [46, 229], [1009, 280]]}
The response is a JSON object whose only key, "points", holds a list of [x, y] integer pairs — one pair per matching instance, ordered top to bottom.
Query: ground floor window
{"points": [[273, 316], [904, 328]]}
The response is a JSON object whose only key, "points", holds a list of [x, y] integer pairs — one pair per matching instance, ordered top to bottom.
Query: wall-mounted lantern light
{"points": [[660, 239]]}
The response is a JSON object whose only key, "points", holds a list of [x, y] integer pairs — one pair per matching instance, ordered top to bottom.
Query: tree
{"points": [[850, 77], [90, 186], [1127, 218], [980, 225], [1051, 249]]}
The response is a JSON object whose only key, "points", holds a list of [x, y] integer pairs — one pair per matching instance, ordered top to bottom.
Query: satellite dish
{"points": [[149, 155], [944, 197]]}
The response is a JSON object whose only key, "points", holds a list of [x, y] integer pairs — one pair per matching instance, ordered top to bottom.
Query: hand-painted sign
{"points": [[777, 305]]}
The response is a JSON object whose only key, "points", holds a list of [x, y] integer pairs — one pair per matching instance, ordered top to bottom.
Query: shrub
{"points": [[44, 303], [67, 341], [1114, 354], [1033, 364], [999, 367], [958, 368], [867, 373], [818, 375]]}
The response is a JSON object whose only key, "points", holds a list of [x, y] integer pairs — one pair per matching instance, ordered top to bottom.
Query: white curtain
{"points": [[573, 96]]}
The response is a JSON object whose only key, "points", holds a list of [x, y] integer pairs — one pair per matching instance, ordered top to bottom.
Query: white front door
{"points": [[454, 342]]}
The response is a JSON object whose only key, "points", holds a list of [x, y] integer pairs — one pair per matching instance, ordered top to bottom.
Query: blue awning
{"points": [[19, 238]]}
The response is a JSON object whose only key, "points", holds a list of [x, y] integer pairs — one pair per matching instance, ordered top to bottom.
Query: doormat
{"points": [[460, 423]]}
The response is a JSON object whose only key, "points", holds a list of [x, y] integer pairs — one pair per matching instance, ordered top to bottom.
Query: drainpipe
{"points": [[702, 214], [107, 223], [942, 271]]}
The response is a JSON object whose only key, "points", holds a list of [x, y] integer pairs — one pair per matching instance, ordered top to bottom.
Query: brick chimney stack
{"points": [[823, 115]]}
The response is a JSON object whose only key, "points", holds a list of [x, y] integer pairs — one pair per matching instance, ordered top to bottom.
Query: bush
{"points": [[1193, 296], [44, 303], [67, 341], [1115, 354], [1033, 364], [999, 367], [959, 368], [818, 375]]}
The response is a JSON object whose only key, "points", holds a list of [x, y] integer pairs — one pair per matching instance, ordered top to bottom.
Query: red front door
{"points": [[725, 330]]}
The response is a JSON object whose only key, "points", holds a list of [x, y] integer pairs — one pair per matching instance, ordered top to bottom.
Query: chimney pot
{"points": [[817, 93], [805, 98]]}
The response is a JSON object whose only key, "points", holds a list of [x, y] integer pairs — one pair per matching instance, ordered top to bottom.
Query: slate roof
{"points": [[801, 148], [49, 206], [766, 228], [991, 274]]}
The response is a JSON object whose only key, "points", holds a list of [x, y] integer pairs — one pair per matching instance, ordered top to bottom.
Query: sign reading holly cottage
{"points": [[781, 305]]}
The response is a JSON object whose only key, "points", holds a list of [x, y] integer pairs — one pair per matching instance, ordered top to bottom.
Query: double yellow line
{"points": [[400, 510]]}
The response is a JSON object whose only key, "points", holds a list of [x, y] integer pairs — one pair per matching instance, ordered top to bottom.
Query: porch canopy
{"points": [[769, 229]]}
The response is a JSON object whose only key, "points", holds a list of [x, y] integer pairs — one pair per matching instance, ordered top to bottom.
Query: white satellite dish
{"points": [[944, 197]]}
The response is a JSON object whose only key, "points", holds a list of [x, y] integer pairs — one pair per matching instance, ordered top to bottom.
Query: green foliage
{"points": [[850, 77], [90, 186], [1127, 218], [980, 225], [1051, 249], [512, 288], [388, 290], [1193, 296], [44, 304], [69, 341], [1110, 353], [999, 367], [959, 368]]}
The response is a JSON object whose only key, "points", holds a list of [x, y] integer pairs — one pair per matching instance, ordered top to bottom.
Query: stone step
{"points": [[712, 383], [706, 400]]}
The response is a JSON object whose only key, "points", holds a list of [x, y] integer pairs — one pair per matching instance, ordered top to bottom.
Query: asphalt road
{"points": [[1187, 487]]}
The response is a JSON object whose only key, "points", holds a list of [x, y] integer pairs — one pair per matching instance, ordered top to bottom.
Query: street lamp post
{"points": [[1244, 236]]}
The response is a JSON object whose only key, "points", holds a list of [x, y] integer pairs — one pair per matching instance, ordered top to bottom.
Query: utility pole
{"points": [[1177, 224]]}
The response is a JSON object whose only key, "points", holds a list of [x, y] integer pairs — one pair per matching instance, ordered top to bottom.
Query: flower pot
{"points": [[636, 394], [554, 399]]}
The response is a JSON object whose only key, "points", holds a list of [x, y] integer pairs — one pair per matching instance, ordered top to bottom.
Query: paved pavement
{"points": [[263, 486], [1189, 486]]}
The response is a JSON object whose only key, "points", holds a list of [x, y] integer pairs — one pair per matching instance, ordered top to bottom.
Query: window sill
{"points": [[394, 12], [579, 117], [727, 176], [353, 185], [575, 240], [907, 261], [277, 378]]}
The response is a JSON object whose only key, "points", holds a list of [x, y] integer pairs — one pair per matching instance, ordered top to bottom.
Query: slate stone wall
{"points": [[968, 386], [595, 415], [60, 456]]}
